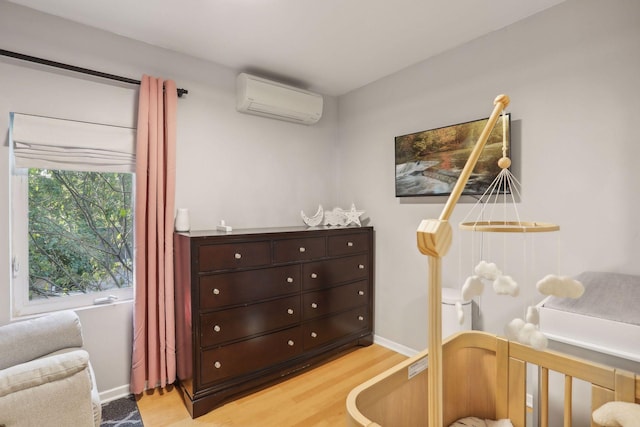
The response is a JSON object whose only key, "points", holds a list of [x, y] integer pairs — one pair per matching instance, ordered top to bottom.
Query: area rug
{"points": [[121, 412]]}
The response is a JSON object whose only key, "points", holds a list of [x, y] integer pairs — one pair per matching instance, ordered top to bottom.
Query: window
{"points": [[72, 213]]}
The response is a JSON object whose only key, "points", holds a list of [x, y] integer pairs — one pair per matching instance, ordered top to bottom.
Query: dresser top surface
{"points": [[268, 230]]}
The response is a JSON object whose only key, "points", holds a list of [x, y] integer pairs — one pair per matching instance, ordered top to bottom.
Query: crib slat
{"points": [[502, 378], [625, 386], [517, 392], [568, 393], [599, 396], [544, 397]]}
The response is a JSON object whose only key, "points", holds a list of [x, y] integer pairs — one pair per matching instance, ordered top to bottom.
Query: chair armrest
{"points": [[30, 339], [42, 371], [27, 390]]}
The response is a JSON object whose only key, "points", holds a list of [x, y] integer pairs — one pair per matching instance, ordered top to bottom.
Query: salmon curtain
{"points": [[154, 349]]}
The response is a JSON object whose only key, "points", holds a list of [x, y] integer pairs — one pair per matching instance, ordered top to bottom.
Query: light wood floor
{"points": [[314, 398]]}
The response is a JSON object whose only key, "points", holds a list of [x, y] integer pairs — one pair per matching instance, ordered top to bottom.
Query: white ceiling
{"points": [[331, 46]]}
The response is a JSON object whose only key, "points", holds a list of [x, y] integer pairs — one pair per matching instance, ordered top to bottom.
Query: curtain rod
{"points": [[55, 64]]}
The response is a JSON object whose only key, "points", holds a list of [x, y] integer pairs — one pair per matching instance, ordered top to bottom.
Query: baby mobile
{"points": [[505, 188]]}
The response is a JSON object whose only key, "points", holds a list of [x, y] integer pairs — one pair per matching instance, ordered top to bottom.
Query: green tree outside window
{"points": [[80, 232]]}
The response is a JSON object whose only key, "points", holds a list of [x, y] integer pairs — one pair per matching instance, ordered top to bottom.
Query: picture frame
{"points": [[428, 163]]}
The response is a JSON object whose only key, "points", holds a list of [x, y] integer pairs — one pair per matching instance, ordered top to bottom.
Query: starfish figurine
{"points": [[352, 216]]}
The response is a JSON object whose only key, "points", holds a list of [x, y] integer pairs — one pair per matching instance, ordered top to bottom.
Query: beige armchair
{"points": [[45, 375]]}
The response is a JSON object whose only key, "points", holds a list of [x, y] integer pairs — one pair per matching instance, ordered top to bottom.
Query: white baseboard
{"points": [[402, 349], [115, 393]]}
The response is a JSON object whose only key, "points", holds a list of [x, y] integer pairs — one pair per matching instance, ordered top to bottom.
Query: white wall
{"points": [[571, 73], [247, 170]]}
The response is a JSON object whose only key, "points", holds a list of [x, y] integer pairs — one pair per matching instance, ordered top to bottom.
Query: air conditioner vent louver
{"points": [[267, 98]]}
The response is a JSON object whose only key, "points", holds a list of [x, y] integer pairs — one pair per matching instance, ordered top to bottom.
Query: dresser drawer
{"points": [[347, 244], [299, 249], [233, 255], [335, 271], [219, 290], [333, 300], [236, 323], [321, 331], [250, 355]]}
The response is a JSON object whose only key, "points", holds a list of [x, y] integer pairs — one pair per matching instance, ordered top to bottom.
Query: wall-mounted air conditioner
{"points": [[267, 98]]}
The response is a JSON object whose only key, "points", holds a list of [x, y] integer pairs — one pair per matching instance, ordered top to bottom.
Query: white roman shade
{"points": [[48, 143]]}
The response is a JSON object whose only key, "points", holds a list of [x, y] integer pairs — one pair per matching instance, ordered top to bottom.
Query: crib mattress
{"points": [[605, 319]]}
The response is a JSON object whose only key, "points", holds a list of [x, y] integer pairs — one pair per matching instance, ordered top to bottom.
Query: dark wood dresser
{"points": [[255, 306]]}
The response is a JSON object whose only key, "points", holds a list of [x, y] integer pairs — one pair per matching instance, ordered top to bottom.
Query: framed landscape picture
{"points": [[428, 163]]}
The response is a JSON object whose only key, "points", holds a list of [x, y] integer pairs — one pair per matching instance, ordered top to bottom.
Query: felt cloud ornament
{"points": [[487, 270], [505, 285], [560, 286], [472, 287], [460, 312], [533, 316], [513, 328], [526, 333], [524, 336], [538, 340]]}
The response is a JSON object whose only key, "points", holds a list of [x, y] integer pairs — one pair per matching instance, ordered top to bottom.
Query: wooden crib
{"points": [[483, 376]]}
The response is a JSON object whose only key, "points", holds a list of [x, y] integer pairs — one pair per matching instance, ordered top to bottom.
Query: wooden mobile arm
{"points": [[434, 240]]}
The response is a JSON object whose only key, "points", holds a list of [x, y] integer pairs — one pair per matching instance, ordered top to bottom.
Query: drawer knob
{"points": [[350, 244], [302, 249], [238, 255], [361, 266], [314, 276], [289, 279], [216, 291], [360, 292], [314, 305], [290, 310], [360, 317], [216, 328], [313, 335], [291, 343], [218, 365]]}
